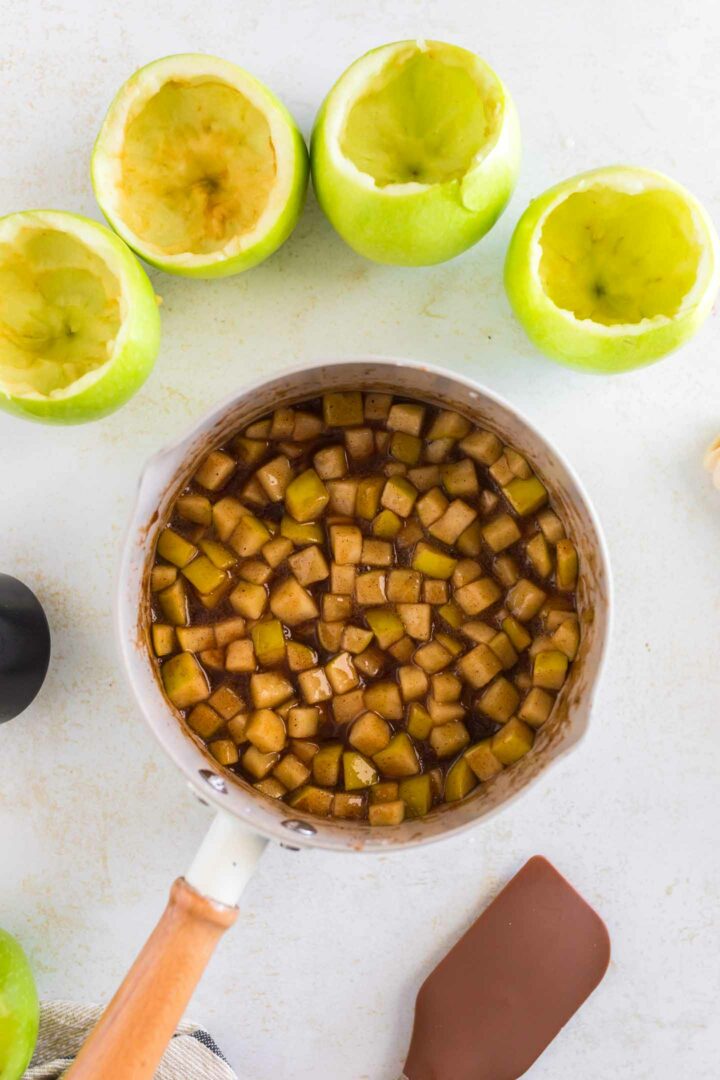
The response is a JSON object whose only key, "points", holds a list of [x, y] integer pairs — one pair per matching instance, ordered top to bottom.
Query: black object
{"points": [[24, 647]]}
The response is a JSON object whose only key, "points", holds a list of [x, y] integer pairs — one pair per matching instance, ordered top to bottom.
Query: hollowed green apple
{"points": [[415, 152], [199, 167], [612, 269], [79, 324]]}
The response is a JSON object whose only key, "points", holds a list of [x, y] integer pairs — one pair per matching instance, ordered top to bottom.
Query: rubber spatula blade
{"points": [[511, 983]]}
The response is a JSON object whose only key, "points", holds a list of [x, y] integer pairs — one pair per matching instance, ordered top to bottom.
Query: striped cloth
{"points": [[64, 1026]]}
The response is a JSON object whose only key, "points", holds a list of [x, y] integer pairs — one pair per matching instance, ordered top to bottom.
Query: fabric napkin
{"points": [[64, 1025]]}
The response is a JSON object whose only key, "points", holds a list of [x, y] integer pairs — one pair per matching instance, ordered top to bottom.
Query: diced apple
{"points": [[343, 409], [482, 446], [216, 470], [274, 477], [460, 478], [399, 496], [525, 496], [306, 497], [368, 497], [195, 508], [226, 515], [455, 520], [346, 543], [175, 548], [432, 562], [309, 565], [370, 588], [478, 595], [248, 600], [524, 600], [291, 603], [417, 620], [385, 625], [196, 638], [163, 639], [269, 641], [240, 657], [479, 666], [341, 673], [184, 680], [413, 682], [314, 686], [384, 699], [499, 701], [536, 707], [204, 721], [266, 730], [449, 739], [512, 741], [399, 758], [482, 761], [326, 764], [459, 782], [387, 813]]}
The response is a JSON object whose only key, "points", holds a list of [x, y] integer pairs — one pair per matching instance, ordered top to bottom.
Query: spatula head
{"points": [[511, 983]]}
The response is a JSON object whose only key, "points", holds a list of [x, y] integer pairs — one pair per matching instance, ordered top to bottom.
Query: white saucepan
{"points": [[130, 1038]]}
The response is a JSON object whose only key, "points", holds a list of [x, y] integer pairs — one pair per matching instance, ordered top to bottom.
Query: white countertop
{"points": [[319, 976]]}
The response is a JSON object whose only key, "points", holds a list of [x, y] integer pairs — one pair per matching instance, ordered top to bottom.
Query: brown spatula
{"points": [[511, 983]]}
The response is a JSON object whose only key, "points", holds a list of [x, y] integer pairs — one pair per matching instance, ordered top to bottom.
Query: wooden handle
{"points": [[132, 1034]]}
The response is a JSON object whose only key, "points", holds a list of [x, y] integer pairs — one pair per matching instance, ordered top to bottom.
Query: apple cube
{"points": [[343, 409], [215, 471], [399, 496], [306, 497], [453, 522], [346, 542], [175, 548], [370, 588], [478, 595], [524, 600], [291, 603], [240, 657], [479, 666], [184, 680], [314, 686], [269, 689], [384, 699], [499, 701], [204, 721], [266, 730], [512, 741], [399, 758], [482, 761], [326, 764], [291, 772], [459, 782]]}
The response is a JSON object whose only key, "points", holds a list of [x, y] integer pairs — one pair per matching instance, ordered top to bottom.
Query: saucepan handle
{"points": [[131, 1036]]}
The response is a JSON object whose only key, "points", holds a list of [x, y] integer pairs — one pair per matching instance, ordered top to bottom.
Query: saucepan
{"points": [[131, 1037]]}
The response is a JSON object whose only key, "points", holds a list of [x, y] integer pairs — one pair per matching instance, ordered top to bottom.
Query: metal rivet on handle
{"points": [[216, 782], [302, 827]]}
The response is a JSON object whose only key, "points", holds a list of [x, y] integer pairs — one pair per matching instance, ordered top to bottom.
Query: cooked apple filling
{"points": [[424, 118], [198, 166], [618, 258], [60, 311], [365, 606]]}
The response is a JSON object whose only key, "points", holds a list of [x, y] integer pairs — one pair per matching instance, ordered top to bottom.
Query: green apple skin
{"points": [[419, 228], [273, 238], [562, 338], [132, 364], [19, 1009]]}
